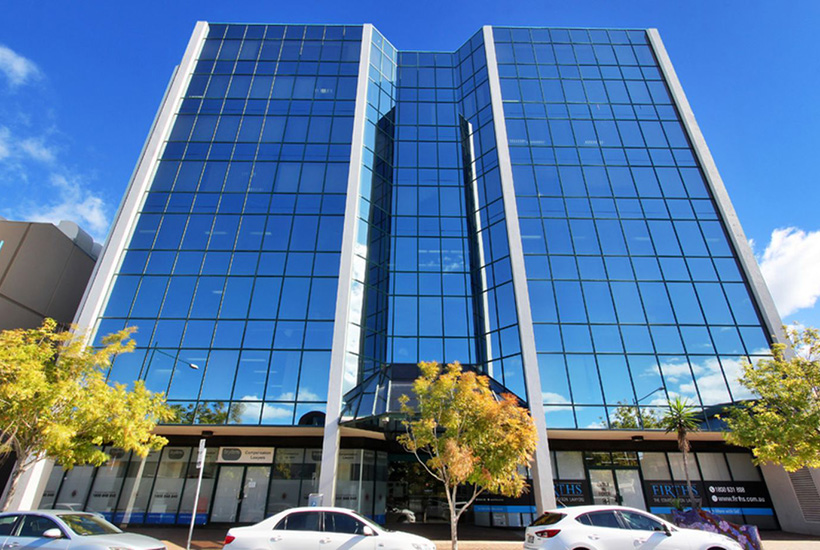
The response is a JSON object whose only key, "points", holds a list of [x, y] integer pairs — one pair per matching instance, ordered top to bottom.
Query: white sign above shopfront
{"points": [[245, 455]]}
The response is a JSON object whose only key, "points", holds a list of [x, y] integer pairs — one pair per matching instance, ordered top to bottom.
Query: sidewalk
{"points": [[470, 537]]}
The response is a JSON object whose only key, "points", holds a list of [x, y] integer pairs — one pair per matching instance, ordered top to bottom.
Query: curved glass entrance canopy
{"points": [[374, 403]]}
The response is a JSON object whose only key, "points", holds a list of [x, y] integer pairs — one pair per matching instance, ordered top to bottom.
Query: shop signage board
{"points": [[245, 455], [573, 492], [720, 497]]}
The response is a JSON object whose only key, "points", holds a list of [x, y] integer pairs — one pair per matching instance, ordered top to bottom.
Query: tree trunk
{"points": [[685, 451], [20, 468], [453, 527]]}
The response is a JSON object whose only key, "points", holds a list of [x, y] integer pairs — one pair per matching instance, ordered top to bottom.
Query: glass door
{"points": [[603, 487], [629, 488], [254, 493], [226, 498]]}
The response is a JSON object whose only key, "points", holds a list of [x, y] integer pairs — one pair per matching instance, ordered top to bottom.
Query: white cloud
{"points": [[17, 68], [5, 142], [15, 147], [37, 149], [75, 203], [791, 267], [711, 384], [552, 398], [277, 413]]}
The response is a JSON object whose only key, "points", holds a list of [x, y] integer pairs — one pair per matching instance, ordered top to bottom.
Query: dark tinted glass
{"points": [[548, 518], [601, 519], [303, 521], [641, 522], [343, 523], [6, 524], [35, 526]]}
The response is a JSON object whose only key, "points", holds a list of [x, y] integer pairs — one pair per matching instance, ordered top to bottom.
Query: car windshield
{"points": [[548, 518], [86, 524]]}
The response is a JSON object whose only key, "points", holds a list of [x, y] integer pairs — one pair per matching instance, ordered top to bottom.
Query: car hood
{"points": [[404, 536], [126, 540]]}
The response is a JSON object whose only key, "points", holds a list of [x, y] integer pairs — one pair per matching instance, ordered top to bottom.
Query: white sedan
{"points": [[321, 528], [616, 528], [67, 530]]}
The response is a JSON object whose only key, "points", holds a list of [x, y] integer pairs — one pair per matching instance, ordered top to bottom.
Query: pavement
{"points": [[470, 537]]}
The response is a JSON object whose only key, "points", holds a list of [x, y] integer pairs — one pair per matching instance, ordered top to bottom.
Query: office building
{"points": [[314, 212]]}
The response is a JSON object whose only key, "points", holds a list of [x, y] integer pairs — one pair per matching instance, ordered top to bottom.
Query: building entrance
{"points": [[617, 486], [241, 492], [413, 495]]}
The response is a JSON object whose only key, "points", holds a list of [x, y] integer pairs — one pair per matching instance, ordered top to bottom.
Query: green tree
{"points": [[55, 401], [208, 412], [628, 416], [682, 419], [782, 425], [463, 434]]}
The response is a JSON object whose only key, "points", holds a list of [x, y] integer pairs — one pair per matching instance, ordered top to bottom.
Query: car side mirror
{"points": [[666, 530], [368, 531], [53, 533]]}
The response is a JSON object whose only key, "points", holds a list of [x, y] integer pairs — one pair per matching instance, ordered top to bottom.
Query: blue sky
{"points": [[80, 83]]}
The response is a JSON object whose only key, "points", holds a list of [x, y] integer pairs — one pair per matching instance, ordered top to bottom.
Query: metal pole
{"points": [[200, 464]]}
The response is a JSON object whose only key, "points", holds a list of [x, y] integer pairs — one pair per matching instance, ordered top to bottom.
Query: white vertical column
{"points": [[738, 239], [96, 294], [341, 325], [31, 485], [543, 487], [784, 499]]}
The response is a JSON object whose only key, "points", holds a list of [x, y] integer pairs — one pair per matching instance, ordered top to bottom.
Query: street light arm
{"points": [[155, 349]]}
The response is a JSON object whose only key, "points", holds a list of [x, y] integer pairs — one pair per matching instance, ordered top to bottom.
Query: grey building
{"points": [[314, 212], [44, 270]]}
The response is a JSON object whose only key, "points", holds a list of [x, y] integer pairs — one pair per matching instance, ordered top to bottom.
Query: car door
{"points": [[6, 527], [604, 530], [297, 531], [344, 532], [649, 534], [29, 535]]}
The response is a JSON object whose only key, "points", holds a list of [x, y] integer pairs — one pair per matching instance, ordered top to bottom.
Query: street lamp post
{"points": [[638, 402], [200, 464], [138, 479]]}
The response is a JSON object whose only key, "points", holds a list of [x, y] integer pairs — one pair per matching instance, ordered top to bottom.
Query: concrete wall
{"points": [[43, 273], [796, 514]]}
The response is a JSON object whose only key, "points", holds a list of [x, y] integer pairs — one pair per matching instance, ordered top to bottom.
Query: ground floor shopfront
{"points": [[246, 479]]}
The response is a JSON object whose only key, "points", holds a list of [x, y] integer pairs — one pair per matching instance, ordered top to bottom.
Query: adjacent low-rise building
{"points": [[44, 270]]}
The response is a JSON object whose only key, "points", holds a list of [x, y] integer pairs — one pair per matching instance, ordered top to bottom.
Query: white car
{"points": [[321, 527], [616, 528], [64, 530]]}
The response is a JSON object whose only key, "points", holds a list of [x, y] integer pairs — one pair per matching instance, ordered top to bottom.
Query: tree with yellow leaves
{"points": [[55, 401], [781, 425], [463, 434]]}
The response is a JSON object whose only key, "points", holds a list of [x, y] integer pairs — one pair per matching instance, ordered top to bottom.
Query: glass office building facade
{"points": [[315, 210]]}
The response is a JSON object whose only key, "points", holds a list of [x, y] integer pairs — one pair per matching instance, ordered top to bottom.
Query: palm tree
{"points": [[682, 419]]}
